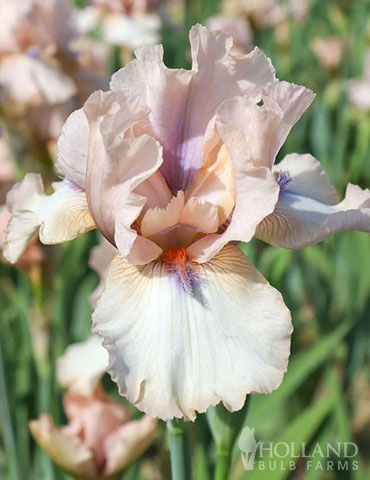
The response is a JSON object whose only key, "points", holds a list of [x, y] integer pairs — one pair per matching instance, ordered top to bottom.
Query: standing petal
{"points": [[182, 103], [263, 129], [117, 164], [306, 212], [62, 216], [174, 352]]}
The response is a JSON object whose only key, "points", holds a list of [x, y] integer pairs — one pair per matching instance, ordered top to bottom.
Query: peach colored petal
{"points": [[214, 182], [256, 197], [200, 216], [174, 352], [94, 419], [128, 443], [66, 450]]}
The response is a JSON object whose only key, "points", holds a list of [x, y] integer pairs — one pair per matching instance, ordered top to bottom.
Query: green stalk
{"points": [[7, 427], [225, 427], [179, 450], [223, 464]]}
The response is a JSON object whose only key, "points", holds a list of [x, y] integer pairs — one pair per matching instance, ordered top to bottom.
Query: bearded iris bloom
{"points": [[173, 167]]}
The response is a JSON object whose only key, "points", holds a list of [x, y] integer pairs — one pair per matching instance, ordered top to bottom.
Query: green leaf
{"points": [[301, 366], [301, 430]]}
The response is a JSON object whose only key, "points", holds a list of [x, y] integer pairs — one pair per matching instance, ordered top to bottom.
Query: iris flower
{"points": [[174, 167], [100, 440]]}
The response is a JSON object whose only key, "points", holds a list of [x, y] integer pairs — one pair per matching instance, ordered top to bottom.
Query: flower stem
{"points": [[225, 427], [179, 450], [223, 464]]}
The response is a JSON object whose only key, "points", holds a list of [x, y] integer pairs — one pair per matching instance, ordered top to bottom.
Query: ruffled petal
{"points": [[165, 91], [182, 103], [261, 130], [117, 163], [256, 195], [307, 212], [62, 216], [174, 352], [82, 365], [128, 443], [65, 450]]}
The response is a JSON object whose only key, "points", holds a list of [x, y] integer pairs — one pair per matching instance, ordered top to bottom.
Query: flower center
{"points": [[282, 179], [180, 264]]}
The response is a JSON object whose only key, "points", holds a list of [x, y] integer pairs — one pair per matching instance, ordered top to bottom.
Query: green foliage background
{"points": [[327, 287]]}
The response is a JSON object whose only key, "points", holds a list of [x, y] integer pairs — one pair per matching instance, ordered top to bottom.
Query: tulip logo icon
{"points": [[248, 446]]}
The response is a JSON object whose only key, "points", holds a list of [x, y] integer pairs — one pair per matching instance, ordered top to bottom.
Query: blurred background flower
{"points": [[52, 56], [100, 440]]}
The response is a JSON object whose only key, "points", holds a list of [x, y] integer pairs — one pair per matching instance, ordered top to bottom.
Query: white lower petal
{"points": [[62, 216], [173, 353]]}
